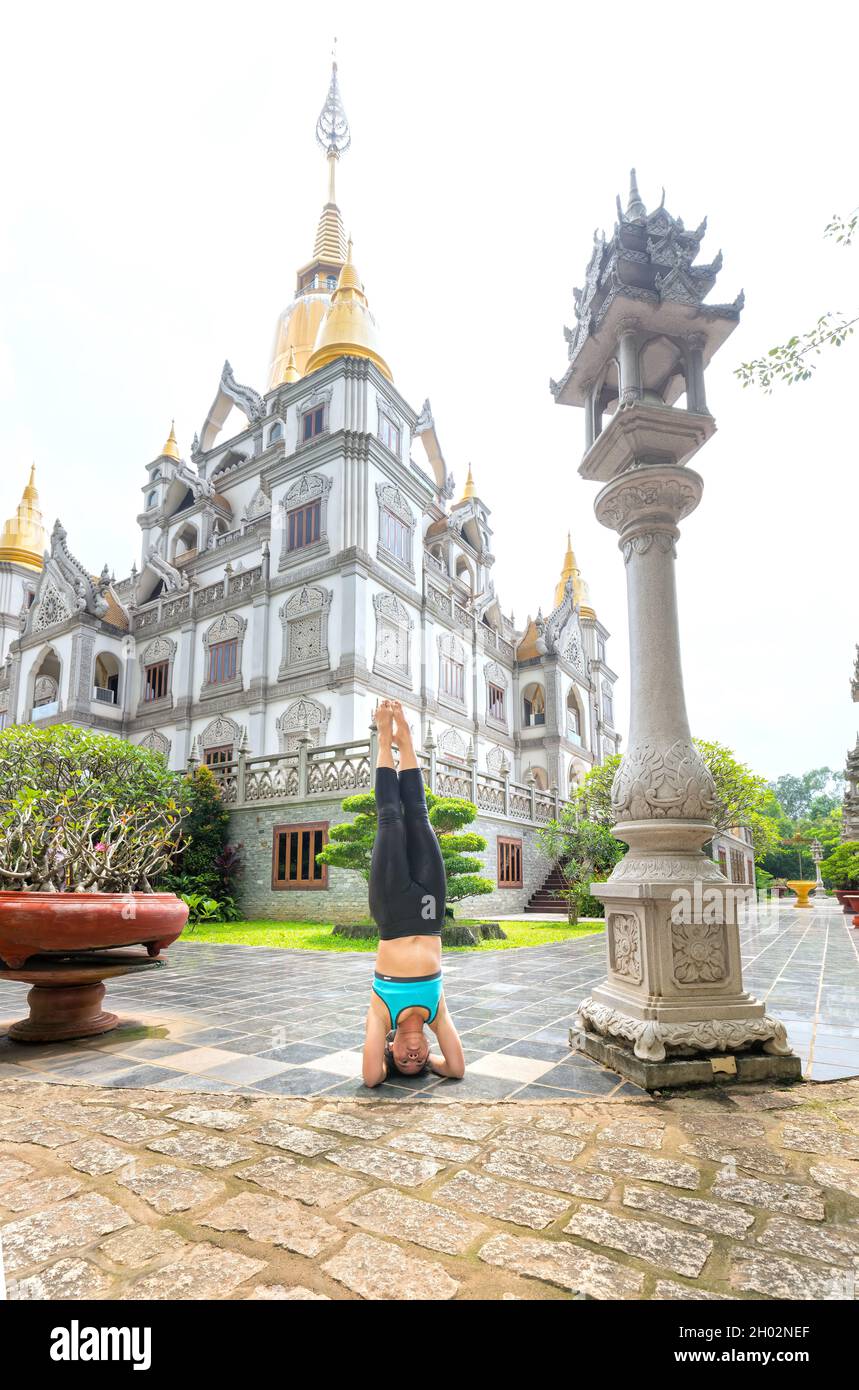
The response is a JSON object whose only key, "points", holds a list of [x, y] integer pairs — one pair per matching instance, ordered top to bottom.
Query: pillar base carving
{"points": [[652, 1040]]}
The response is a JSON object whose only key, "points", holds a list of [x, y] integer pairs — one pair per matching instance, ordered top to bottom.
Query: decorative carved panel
{"points": [[624, 943]]}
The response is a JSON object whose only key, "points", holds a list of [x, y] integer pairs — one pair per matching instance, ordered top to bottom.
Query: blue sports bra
{"points": [[417, 991]]}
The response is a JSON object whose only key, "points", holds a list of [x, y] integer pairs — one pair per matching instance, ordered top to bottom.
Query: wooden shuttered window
{"points": [[294, 856], [509, 862]]}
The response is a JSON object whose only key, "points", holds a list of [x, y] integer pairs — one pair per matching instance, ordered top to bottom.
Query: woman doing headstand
{"points": [[407, 898]]}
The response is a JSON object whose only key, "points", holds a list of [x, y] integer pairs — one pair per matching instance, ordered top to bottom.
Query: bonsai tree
{"points": [[83, 812], [350, 844], [585, 852], [841, 869]]}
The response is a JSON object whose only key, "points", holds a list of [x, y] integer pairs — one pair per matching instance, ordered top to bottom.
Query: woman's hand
{"points": [[452, 1064], [374, 1069]]}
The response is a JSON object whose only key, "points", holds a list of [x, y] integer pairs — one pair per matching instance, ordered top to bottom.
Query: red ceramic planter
{"points": [[851, 904], [36, 924]]}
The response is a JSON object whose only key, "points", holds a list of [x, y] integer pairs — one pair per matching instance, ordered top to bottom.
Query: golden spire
{"points": [[330, 244], [299, 323], [348, 328], [291, 372], [171, 448], [470, 489], [23, 540], [571, 570]]}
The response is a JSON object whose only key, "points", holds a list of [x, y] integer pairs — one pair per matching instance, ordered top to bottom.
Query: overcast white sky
{"points": [[161, 185]]}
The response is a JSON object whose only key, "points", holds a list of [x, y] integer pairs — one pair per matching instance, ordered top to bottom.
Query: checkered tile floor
{"points": [[224, 1018]]}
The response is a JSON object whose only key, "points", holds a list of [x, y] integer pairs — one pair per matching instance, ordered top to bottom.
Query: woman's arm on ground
{"points": [[452, 1063], [374, 1068]]}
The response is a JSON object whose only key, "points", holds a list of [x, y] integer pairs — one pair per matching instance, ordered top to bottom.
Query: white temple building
{"points": [[291, 575]]}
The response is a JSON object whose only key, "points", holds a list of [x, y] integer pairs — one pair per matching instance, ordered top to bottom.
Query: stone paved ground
{"points": [[230, 1019], [135, 1194]]}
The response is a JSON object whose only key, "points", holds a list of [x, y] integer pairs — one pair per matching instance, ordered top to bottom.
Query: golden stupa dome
{"points": [[348, 328], [295, 336], [171, 448], [23, 540], [581, 594]]}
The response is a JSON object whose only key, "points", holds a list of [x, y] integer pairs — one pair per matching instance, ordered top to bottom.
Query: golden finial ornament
{"points": [[291, 372], [171, 448], [470, 490], [23, 540], [571, 570]]}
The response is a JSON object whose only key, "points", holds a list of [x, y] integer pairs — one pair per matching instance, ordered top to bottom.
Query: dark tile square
{"points": [[138, 1076], [591, 1079], [300, 1081]]}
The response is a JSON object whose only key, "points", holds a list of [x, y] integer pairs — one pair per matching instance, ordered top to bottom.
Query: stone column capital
{"points": [[650, 500]]}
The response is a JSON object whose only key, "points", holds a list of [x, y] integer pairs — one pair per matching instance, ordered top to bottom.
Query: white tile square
{"points": [[197, 1059], [344, 1063], [509, 1068]]}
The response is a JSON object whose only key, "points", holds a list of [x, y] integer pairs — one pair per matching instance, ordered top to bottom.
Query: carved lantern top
{"points": [[642, 277]]}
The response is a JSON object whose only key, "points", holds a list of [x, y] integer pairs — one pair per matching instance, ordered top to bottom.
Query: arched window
{"points": [[331, 282], [275, 433], [156, 474], [151, 500], [185, 543], [464, 573], [106, 684], [46, 686], [533, 706], [575, 719]]}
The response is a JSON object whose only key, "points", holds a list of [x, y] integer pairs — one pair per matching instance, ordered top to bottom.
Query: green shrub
{"points": [[84, 812]]}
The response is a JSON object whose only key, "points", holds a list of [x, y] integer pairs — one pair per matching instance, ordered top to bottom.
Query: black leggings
{"points": [[407, 881]]}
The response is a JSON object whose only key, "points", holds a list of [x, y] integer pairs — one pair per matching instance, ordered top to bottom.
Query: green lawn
{"points": [[312, 936]]}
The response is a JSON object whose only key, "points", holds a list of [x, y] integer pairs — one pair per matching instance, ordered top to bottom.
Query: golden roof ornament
{"points": [[348, 328], [291, 372], [171, 448], [470, 490], [23, 540], [580, 589]]}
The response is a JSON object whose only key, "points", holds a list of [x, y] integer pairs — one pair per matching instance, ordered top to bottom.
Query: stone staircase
{"points": [[544, 901]]}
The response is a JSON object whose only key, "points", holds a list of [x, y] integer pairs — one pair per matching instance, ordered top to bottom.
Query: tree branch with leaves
{"points": [[793, 361]]}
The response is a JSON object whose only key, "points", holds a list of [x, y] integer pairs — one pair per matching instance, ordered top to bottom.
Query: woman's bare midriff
{"points": [[409, 956]]}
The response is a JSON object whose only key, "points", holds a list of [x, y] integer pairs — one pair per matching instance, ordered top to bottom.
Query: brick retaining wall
{"points": [[345, 898]]}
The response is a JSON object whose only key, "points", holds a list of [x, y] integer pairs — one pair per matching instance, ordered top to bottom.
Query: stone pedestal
{"points": [[674, 988], [67, 993]]}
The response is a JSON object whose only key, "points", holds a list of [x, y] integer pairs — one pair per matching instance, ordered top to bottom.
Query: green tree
{"points": [[793, 360], [811, 796], [742, 797], [350, 844], [585, 852], [207, 867], [841, 868]]}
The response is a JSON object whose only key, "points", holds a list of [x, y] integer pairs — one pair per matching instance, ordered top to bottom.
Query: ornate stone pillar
{"points": [[674, 990]]}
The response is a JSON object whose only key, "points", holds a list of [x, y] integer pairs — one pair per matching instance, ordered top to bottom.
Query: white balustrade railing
{"points": [[340, 769]]}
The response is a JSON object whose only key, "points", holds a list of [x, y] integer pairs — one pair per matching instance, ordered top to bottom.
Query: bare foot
{"points": [[383, 718], [402, 732]]}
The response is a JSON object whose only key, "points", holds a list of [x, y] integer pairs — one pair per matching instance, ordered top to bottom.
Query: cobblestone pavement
{"points": [[231, 1019], [138, 1193]]}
